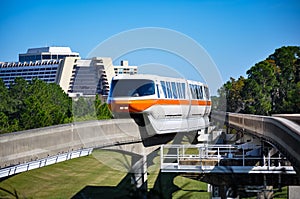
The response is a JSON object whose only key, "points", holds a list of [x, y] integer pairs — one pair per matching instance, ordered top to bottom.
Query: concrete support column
{"points": [[139, 175], [294, 192]]}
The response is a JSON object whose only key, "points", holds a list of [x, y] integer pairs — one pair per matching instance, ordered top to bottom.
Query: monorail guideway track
{"points": [[282, 133]]}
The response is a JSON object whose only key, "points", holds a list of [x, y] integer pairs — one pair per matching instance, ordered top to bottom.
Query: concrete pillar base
{"points": [[139, 175]]}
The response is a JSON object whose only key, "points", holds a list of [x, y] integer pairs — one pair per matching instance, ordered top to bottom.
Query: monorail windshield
{"points": [[132, 88]]}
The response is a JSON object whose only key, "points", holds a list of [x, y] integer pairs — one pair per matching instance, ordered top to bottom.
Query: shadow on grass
{"points": [[163, 188], [123, 190], [8, 193]]}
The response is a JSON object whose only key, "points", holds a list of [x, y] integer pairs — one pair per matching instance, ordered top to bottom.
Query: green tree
{"points": [[286, 60], [272, 85], [259, 89], [18, 91], [232, 91], [221, 101], [26, 105], [32, 105], [46, 105], [4, 106], [61, 109], [84, 109], [102, 110]]}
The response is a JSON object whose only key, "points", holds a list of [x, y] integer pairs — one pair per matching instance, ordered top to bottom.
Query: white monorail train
{"points": [[166, 105]]}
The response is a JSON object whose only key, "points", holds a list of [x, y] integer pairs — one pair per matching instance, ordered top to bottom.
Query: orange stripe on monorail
{"points": [[141, 105]]}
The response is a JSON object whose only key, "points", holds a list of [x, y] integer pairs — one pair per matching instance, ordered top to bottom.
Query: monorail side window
{"points": [[163, 85], [132, 88], [157, 88], [174, 89], [183, 89], [169, 90], [179, 90], [191, 90], [197, 91], [201, 92], [194, 94]]}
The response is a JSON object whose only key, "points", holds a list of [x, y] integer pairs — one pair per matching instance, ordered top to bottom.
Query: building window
{"points": [[46, 56], [61, 56], [37, 57]]}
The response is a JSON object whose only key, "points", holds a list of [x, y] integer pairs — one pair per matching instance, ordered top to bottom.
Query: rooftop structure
{"points": [[46, 53], [125, 68]]}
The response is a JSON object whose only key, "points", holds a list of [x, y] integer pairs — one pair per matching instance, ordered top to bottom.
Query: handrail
{"points": [[218, 159]]}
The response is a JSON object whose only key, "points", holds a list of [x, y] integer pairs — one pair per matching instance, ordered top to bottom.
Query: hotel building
{"points": [[39, 64], [76, 76]]}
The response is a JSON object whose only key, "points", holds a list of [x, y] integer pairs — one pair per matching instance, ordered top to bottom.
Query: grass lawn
{"points": [[100, 175], [63, 180], [190, 188], [281, 195]]}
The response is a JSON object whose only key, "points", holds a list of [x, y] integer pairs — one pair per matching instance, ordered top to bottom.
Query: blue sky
{"points": [[235, 33]]}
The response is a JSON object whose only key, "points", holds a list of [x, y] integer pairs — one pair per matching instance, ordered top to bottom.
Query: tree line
{"points": [[272, 86], [27, 105]]}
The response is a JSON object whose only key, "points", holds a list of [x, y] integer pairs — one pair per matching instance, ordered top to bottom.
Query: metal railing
{"points": [[205, 158], [8, 171]]}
